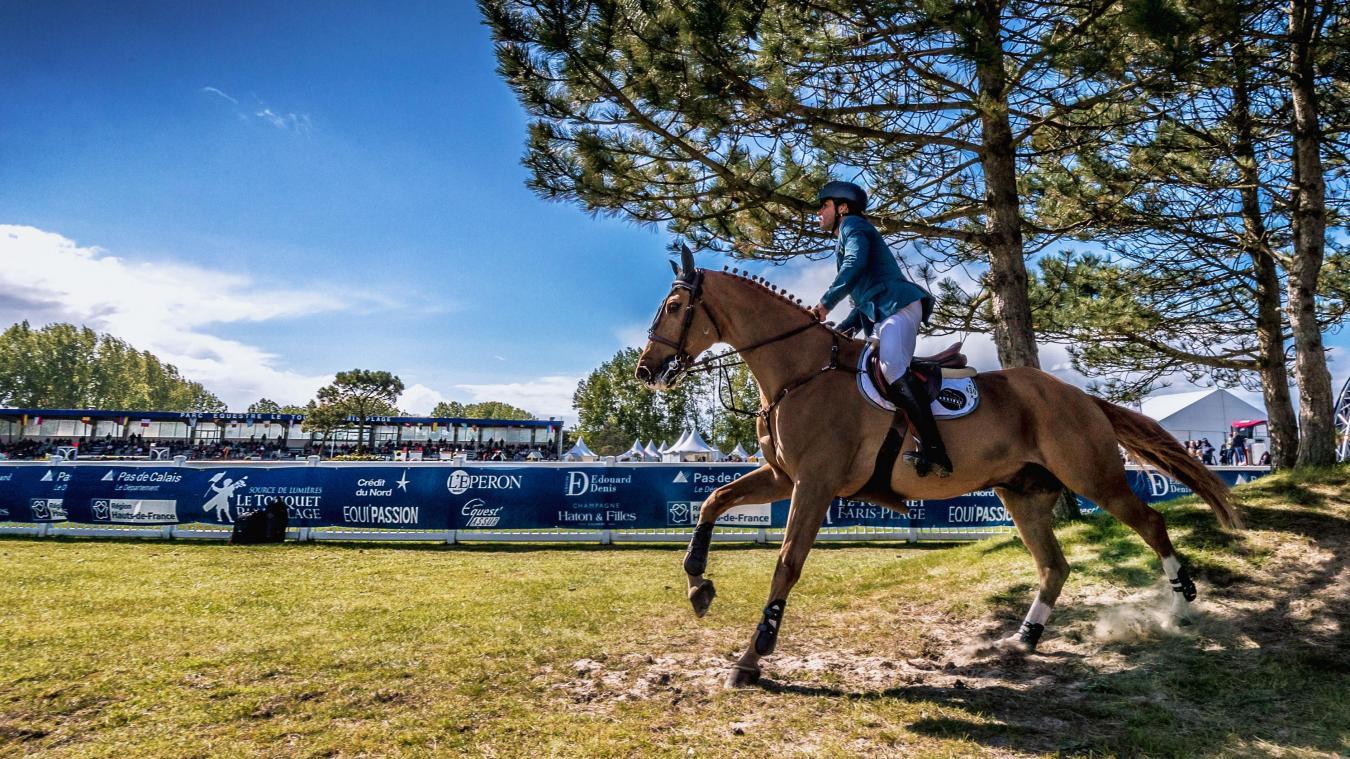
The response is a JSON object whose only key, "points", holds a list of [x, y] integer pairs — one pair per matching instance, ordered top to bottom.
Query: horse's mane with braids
{"points": [[764, 285]]}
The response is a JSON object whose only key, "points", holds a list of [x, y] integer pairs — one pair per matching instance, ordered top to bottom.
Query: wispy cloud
{"points": [[214, 91], [291, 122], [299, 123], [167, 309], [542, 396]]}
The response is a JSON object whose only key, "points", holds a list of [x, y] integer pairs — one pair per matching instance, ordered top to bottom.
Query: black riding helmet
{"points": [[851, 193]]}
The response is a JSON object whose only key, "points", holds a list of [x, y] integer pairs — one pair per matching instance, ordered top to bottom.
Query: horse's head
{"points": [[681, 329]]}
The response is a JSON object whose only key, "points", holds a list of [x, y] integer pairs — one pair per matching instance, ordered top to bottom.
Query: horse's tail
{"points": [[1153, 445]]}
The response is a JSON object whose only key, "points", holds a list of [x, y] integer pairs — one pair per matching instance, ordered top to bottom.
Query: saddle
{"points": [[949, 364], [932, 370]]}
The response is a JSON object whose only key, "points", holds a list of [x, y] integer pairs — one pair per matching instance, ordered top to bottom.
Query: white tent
{"points": [[1200, 414], [679, 442], [692, 448], [651, 451], [580, 452], [634, 453], [738, 454], [756, 456]]}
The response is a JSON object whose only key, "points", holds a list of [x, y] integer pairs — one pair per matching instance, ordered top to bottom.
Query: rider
{"points": [[884, 302]]}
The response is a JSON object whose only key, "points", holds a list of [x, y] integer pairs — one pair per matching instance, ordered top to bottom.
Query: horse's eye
{"points": [[672, 306]]}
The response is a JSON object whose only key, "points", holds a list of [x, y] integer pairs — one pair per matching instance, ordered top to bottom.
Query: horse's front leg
{"points": [[764, 485], [809, 502]]}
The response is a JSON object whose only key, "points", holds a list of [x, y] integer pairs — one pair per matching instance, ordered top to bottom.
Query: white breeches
{"points": [[897, 335]]}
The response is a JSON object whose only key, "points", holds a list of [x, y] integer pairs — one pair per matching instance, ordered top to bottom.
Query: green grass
{"points": [[141, 648]]}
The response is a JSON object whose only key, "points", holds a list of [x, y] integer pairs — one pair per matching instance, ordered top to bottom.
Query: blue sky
{"points": [[265, 194]]}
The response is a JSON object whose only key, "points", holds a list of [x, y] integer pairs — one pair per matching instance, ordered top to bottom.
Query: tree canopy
{"points": [[64, 366], [362, 393], [614, 408], [481, 410]]}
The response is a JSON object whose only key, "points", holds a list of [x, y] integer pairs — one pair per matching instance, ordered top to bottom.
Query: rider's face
{"points": [[825, 215]]}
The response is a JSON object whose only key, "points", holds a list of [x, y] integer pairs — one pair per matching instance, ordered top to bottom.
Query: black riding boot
{"points": [[912, 397]]}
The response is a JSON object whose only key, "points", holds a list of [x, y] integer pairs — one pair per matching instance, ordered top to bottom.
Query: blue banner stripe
{"points": [[533, 496]]}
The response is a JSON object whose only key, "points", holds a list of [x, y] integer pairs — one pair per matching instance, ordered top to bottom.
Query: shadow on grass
{"points": [[1171, 699]]}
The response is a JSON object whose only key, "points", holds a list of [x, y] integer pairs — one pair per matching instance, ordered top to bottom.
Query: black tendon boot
{"points": [[910, 394]]}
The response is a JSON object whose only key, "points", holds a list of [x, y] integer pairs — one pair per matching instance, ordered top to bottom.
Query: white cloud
{"points": [[163, 308], [632, 335], [542, 396], [419, 399]]}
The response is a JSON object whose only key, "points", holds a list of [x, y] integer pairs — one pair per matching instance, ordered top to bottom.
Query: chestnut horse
{"points": [[1030, 436]]}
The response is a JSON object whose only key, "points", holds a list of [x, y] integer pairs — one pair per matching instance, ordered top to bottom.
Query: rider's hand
{"points": [[820, 311]]}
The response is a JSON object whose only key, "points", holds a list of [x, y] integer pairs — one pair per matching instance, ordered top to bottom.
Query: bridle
{"points": [[694, 286], [684, 363]]}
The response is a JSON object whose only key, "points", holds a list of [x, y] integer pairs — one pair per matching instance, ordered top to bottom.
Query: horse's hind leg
{"points": [[764, 485], [1114, 495], [1032, 510]]}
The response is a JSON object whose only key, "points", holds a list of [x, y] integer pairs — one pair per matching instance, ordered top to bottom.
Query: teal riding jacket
{"points": [[870, 277]]}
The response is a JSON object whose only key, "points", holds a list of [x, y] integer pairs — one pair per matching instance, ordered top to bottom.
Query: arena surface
{"points": [[156, 648]]}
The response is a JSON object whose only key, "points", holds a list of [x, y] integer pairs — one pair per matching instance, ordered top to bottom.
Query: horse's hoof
{"points": [[702, 597], [1014, 645], [743, 677]]}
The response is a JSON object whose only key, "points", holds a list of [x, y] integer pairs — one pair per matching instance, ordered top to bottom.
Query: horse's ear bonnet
{"points": [[687, 263]]}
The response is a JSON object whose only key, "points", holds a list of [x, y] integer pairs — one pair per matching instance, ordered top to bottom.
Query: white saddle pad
{"points": [[957, 398]]}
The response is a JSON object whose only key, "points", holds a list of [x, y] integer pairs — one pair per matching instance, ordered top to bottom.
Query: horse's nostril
{"points": [[643, 373]]}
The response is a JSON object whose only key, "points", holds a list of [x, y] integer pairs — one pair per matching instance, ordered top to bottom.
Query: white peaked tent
{"points": [[1200, 414], [679, 442], [692, 448], [651, 451], [580, 452], [634, 453], [738, 454], [756, 456]]}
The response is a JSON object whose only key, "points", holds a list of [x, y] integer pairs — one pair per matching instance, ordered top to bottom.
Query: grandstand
{"points": [[96, 433]]}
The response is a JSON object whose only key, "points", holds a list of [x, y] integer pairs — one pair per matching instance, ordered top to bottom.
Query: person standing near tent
{"points": [[884, 302]]}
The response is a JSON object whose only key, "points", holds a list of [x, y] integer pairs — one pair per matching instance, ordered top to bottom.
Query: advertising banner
{"points": [[529, 496]]}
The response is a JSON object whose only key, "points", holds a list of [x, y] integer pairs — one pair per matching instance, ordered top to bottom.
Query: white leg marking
{"points": [[1171, 565], [1181, 608], [1039, 612]]}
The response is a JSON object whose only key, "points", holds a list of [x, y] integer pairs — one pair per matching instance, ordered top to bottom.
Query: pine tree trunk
{"points": [[1269, 326], [1013, 333], [1317, 434]]}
